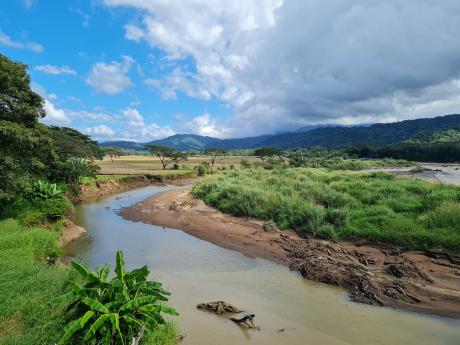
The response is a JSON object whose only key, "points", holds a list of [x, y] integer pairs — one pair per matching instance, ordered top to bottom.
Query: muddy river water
{"points": [[288, 308]]}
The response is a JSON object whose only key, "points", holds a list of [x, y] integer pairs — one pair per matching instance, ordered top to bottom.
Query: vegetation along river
{"points": [[288, 308]]}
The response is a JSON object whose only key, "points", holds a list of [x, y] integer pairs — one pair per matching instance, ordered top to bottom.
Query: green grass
{"points": [[340, 163], [342, 205], [27, 283]]}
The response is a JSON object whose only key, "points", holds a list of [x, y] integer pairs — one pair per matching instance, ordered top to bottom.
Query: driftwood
{"points": [[219, 307], [245, 321]]}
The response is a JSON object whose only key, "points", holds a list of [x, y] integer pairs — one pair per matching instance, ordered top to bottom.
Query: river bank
{"points": [[380, 275]]}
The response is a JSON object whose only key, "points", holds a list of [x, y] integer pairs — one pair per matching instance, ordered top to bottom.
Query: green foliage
{"points": [[18, 103], [444, 136], [69, 142], [266, 152], [436, 152], [164, 153], [213, 153], [72, 169], [203, 169], [45, 190], [341, 205], [27, 283], [113, 311]]}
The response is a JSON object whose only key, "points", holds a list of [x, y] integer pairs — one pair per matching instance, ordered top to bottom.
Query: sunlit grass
{"points": [[342, 205]]}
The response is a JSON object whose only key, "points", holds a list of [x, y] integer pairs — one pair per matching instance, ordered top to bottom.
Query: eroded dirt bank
{"points": [[112, 186], [71, 232], [380, 275]]}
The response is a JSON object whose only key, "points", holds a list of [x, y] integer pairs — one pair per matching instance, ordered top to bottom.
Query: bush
{"points": [[245, 164], [203, 169], [45, 190], [113, 311]]}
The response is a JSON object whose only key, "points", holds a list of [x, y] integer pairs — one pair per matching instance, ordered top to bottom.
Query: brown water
{"points": [[197, 271]]}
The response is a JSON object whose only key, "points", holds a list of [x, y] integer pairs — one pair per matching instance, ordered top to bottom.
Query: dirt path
{"points": [[379, 275]]}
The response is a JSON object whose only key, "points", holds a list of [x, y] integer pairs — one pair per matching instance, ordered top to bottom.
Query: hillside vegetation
{"points": [[377, 135], [341, 205]]}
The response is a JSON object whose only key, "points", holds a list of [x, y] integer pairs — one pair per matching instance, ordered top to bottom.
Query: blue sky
{"points": [[73, 36], [146, 69]]}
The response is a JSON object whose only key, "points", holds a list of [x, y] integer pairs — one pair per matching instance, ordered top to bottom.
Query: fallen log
{"points": [[219, 307], [246, 321]]}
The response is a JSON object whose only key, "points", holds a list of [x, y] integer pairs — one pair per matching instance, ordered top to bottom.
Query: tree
{"points": [[18, 103], [69, 142], [26, 147], [112, 152], [267, 152], [164, 153], [214, 153], [178, 157]]}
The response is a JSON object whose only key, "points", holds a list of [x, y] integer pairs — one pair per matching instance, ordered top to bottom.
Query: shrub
{"points": [[245, 164], [203, 169], [45, 190], [113, 311]]}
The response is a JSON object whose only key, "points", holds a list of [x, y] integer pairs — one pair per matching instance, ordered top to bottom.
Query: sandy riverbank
{"points": [[379, 275]]}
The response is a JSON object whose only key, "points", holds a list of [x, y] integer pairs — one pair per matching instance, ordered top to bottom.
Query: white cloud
{"points": [[133, 33], [6, 40], [282, 64], [56, 70], [111, 78], [179, 80], [90, 115], [55, 116], [205, 125], [136, 129], [101, 131]]}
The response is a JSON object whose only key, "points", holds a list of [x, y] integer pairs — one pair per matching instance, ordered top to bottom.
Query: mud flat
{"points": [[432, 172], [374, 274]]}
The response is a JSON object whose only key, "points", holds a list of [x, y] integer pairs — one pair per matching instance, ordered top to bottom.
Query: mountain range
{"points": [[379, 134]]}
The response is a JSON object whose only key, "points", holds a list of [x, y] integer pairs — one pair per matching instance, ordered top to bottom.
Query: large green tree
{"points": [[69, 142], [26, 147]]}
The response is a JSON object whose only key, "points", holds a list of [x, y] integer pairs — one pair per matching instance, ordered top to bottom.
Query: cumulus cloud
{"points": [[133, 32], [6, 40], [281, 64], [56, 70], [111, 78], [55, 116], [91, 116], [205, 125], [136, 129], [101, 131]]}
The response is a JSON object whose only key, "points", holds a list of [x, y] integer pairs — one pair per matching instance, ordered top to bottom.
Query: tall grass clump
{"points": [[342, 205]]}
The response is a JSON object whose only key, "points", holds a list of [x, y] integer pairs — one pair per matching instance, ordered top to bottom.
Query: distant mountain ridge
{"points": [[379, 134]]}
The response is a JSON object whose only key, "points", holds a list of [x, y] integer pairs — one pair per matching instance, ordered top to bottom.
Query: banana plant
{"points": [[46, 190], [113, 311]]}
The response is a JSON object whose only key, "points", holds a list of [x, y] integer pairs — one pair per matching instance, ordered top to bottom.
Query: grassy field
{"points": [[141, 165], [342, 205], [27, 283]]}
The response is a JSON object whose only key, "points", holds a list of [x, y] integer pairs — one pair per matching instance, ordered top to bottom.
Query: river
{"points": [[288, 308]]}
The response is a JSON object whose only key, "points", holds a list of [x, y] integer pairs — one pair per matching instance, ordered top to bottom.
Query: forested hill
{"points": [[377, 134]]}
